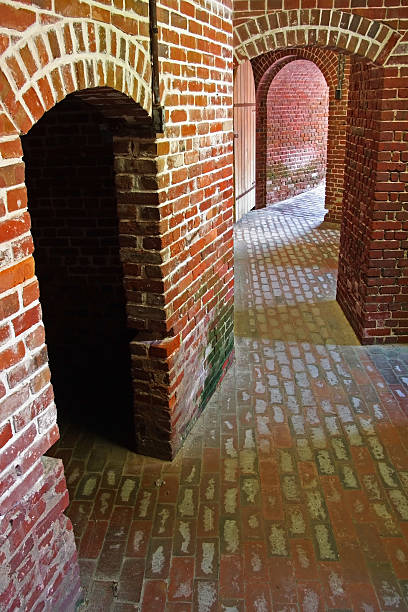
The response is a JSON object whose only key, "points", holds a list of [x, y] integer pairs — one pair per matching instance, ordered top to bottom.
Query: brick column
{"points": [[372, 285]]}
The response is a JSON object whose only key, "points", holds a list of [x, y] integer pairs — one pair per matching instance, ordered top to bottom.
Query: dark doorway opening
{"points": [[72, 202]]}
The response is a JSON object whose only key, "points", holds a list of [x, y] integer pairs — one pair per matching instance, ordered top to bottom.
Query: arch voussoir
{"points": [[333, 29], [74, 55]]}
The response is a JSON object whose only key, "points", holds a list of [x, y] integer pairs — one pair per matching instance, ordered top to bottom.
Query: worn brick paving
{"points": [[291, 492]]}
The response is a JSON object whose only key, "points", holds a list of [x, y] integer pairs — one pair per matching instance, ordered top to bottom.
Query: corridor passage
{"points": [[291, 492]]}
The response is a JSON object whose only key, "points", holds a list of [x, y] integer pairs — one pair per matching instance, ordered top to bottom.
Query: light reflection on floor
{"points": [[291, 492]]}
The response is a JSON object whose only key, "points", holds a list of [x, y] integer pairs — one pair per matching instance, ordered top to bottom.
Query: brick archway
{"points": [[329, 28], [272, 40], [69, 56], [266, 67], [109, 71], [371, 284]]}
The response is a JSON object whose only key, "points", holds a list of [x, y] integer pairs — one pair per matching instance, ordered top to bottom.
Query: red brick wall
{"points": [[394, 15], [298, 106], [359, 189], [174, 209], [196, 213], [372, 286], [38, 557]]}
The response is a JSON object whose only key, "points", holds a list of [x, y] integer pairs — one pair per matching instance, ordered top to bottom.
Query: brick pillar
{"points": [[336, 147], [142, 236], [178, 280], [372, 284]]}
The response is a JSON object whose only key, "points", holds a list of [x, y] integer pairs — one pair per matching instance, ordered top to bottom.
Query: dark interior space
{"points": [[71, 190]]}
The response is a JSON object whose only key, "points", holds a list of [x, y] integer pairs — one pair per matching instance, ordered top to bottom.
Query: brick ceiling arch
{"points": [[314, 27], [72, 56], [267, 66]]}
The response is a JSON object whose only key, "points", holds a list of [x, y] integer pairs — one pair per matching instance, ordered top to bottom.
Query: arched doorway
{"points": [[266, 68], [297, 118], [69, 161], [370, 289]]}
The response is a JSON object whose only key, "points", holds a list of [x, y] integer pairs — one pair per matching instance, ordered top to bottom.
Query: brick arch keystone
{"points": [[314, 27], [68, 56]]}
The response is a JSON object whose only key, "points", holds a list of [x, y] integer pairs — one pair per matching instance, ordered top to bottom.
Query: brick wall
{"points": [[339, 15], [297, 115], [70, 181], [174, 200], [196, 213], [372, 287], [38, 555]]}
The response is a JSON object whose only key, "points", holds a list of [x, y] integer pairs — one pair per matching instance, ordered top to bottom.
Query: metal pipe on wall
{"points": [[157, 109]]}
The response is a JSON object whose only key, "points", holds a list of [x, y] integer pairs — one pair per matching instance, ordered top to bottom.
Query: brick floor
{"points": [[291, 492]]}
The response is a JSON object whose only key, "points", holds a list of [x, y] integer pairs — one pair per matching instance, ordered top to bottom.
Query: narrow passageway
{"points": [[291, 492]]}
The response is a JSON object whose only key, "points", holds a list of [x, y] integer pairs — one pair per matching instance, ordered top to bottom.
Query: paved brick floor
{"points": [[291, 493]]}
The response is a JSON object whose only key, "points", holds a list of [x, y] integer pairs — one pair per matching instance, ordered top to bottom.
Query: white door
{"points": [[244, 139]]}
